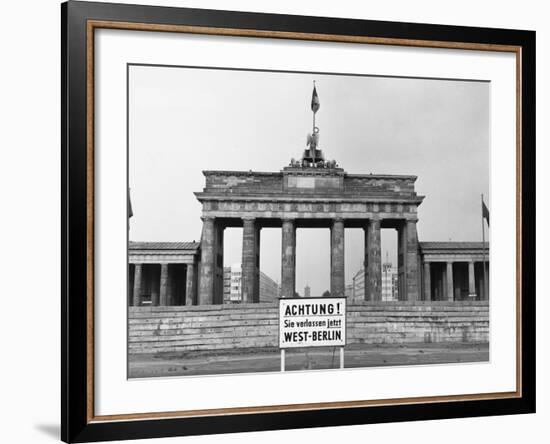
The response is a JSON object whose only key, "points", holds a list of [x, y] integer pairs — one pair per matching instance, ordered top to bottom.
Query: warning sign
{"points": [[312, 322]]}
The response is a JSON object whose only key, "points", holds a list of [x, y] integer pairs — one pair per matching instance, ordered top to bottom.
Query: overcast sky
{"points": [[186, 120]]}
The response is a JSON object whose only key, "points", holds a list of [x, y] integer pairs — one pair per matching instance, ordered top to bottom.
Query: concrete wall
{"points": [[192, 328]]}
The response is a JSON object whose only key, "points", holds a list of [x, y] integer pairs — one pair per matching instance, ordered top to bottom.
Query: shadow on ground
{"points": [[51, 430]]}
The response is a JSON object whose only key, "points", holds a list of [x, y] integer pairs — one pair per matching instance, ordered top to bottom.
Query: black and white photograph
{"points": [[285, 221]]}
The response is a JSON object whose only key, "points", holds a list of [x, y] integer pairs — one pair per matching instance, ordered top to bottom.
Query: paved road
{"points": [[268, 360]]}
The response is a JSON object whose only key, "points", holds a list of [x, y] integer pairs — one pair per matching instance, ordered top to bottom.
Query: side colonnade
{"points": [[163, 273]]}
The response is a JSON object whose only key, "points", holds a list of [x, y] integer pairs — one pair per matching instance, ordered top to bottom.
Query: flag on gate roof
{"points": [[315, 104], [485, 211]]}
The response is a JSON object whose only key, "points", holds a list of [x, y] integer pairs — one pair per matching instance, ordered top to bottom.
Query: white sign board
{"points": [[312, 322]]}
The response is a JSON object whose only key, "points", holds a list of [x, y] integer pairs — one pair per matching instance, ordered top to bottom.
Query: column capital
{"points": [[207, 218], [373, 221], [249, 222]]}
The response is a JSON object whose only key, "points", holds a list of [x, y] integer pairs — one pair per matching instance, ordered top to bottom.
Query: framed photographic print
{"points": [[275, 221]]}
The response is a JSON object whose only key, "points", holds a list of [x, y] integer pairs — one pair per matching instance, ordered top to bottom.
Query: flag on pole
{"points": [[315, 105], [485, 211], [130, 212]]}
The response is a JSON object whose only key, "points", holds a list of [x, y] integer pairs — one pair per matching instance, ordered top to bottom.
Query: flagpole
{"points": [[313, 131], [485, 286]]}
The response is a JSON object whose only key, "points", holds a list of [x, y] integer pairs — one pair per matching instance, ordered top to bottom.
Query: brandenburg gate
{"points": [[306, 194]]}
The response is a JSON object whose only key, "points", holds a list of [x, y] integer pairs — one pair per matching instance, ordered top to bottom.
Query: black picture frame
{"points": [[77, 423]]}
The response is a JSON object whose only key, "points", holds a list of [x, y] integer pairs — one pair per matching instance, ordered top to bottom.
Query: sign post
{"points": [[312, 322]]}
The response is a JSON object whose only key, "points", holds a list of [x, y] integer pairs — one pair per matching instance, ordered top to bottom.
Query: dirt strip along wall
{"points": [[217, 327]]}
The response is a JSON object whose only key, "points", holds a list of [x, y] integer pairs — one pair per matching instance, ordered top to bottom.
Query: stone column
{"points": [[208, 256], [288, 260], [401, 261], [411, 261], [373, 262], [218, 263], [337, 270], [471, 280], [427, 282], [250, 283], [450, 284], [137, 285], [164, 285], [190, 287], [155, 288]]}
